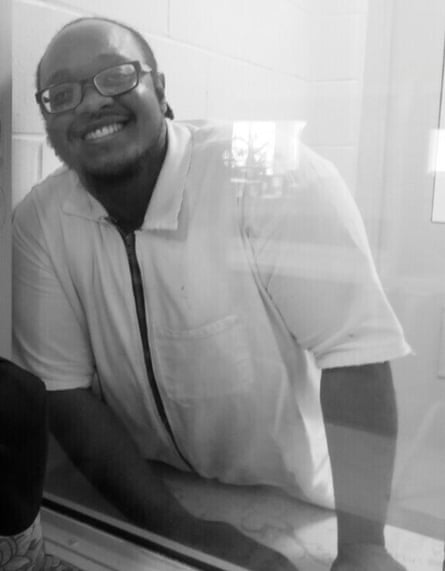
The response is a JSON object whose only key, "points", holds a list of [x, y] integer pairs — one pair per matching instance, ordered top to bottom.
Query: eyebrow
{"points": [[64, 75], [59, 76]]}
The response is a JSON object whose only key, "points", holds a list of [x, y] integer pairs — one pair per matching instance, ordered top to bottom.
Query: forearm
{"points": [[361, 426], [103, 451]]}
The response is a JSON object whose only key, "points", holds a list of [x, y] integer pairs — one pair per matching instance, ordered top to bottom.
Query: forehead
{"points": [[85, 48]]}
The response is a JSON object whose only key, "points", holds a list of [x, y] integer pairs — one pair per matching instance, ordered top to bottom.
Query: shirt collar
{"points": [[165, 203]]}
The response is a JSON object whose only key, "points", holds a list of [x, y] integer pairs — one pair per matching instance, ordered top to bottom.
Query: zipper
{"points": [[138, 292]]}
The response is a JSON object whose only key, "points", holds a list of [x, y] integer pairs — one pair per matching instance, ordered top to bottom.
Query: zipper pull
{"points": [[129, 239]]}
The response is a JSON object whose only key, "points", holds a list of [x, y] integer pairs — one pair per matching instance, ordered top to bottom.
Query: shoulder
{"points": [[207, 135], [316, 176], [297, 178], [46, 197], [310, 202], [37, 219]]}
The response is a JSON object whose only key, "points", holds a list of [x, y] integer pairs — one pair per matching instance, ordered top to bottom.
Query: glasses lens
{"points": [[116, 80], [62, 97]]}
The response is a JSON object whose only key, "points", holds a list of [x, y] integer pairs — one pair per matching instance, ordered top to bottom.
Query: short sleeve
{"points": [[312, 256], [49, 333]]}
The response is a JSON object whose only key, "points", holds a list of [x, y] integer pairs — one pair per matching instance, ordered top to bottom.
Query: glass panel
{"points": [[438, 165], [5, 180], [206, 332]]}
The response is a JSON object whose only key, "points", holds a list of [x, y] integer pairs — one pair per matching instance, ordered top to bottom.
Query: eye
{"points": [[118, 76], [60, 95]]}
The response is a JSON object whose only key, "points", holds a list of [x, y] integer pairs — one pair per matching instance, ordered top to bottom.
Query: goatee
{"points": [[114, 174]]}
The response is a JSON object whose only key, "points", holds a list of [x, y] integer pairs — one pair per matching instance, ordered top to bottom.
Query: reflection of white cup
{"points": [[269, 146]]}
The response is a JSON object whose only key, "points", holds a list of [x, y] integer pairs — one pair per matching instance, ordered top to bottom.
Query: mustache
{"points": [[90, 121]]}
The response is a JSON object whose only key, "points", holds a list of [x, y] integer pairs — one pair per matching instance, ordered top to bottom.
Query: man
{"points": [[176, 314]]}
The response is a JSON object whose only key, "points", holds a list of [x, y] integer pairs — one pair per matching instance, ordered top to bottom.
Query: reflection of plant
{"points": [[245, 155]]}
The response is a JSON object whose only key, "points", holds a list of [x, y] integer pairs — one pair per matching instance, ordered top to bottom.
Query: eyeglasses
{"points": [[109, 82]]}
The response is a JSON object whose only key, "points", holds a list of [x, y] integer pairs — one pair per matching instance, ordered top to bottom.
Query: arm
{"points": [[313, 259], [51, 338], [361, 426], [100, 447]]}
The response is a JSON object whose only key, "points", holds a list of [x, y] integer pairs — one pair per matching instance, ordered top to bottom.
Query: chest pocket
{"points": [[203, 363]]}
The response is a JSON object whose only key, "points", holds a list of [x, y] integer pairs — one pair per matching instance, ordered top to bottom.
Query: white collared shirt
{"points": [[248, 294]]}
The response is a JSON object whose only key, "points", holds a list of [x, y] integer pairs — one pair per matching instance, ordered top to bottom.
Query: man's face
{"points": [[102, 136]]}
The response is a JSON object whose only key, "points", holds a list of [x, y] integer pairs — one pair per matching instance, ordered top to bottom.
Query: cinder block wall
{"points": [[224, 59], [5, 179]]}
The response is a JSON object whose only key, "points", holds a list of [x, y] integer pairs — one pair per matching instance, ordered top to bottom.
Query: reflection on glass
{"points": [[262, 154], [438, 160], [439, 176], [3, 208], [242, 440]]}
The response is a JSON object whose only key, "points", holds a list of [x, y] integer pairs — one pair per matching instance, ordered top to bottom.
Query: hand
{"points": [[226, 542], [364, 557]]}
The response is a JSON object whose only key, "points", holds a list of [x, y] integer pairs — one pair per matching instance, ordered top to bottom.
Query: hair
{"points": [[145, 47]]}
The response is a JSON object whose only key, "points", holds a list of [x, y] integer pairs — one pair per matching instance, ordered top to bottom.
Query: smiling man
{"points": [[109, 142], [176, 319]]}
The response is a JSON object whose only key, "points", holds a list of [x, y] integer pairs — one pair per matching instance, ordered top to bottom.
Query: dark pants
{"points": [[23, 447]]}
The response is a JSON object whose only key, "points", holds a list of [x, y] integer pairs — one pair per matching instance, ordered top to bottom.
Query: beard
{"points": [[120, 168], [106, 173], [113, 173], [98, 176]]}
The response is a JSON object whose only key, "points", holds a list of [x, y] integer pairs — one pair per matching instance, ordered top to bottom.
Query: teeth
{"points": [[103, 131]]}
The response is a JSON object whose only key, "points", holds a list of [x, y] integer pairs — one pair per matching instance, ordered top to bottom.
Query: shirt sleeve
{"points": [[312, 256], [49, 331]]}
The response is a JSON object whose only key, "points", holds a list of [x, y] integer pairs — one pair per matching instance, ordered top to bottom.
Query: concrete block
{"points": [[338, 6], [149, 15], [33, 26], [216, 26], [277, 36], [337, 47], [186, 71], [238, 90], [334, 113], [26, 161], [49, 161]]}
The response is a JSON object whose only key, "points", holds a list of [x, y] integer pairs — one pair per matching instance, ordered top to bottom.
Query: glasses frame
{"points": [[139, 67]]}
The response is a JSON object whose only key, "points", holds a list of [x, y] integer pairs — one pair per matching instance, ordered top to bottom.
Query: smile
{"points": [[103, 132]]}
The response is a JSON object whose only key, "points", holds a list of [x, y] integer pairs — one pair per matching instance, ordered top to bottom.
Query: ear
{"points": [[162, 79], [160, 87], [160, 93]]}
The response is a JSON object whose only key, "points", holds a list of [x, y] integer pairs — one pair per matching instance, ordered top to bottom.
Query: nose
{"points": [[92, 100]]}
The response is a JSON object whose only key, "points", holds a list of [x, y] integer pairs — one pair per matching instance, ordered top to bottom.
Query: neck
{"points": [[126, 196], [126, 199]]}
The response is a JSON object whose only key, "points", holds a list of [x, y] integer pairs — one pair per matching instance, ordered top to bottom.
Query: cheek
{"points": [[146, 103], [56, 129], [57, 138]]}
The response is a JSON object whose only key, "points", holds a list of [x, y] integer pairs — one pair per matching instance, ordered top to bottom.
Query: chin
{"points": [[96, 166], [113, 170]]}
